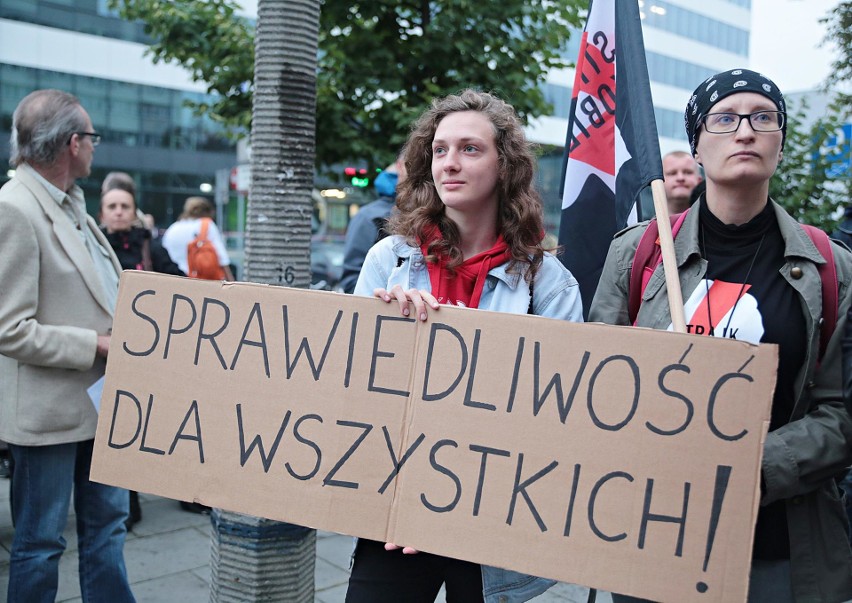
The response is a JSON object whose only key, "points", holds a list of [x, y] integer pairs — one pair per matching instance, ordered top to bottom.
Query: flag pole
{"points": [[664, 226]]}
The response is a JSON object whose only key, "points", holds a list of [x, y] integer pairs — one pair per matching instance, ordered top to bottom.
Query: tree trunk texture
{"points": [[283, 130], [256, 559]]}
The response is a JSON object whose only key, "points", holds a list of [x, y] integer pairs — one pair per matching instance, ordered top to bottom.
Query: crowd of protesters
{"points": [[461, 224]]}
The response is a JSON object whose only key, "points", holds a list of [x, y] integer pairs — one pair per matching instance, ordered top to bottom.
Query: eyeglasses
{"points": [[760, 121], [96, 138]]}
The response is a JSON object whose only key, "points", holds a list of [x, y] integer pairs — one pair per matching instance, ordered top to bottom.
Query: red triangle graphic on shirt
{"points": [[721, 297]]}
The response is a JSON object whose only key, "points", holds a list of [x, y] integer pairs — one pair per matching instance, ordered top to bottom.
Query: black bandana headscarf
{"points": [[716, 87]]}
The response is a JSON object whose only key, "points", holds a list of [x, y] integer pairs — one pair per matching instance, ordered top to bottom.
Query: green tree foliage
{"points": [[838, 23], [211, 41], [380, 61], [802, 183], [806, 183]]}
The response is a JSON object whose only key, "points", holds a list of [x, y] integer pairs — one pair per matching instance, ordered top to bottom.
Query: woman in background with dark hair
{"points": [[130, 239], [135, 249]]}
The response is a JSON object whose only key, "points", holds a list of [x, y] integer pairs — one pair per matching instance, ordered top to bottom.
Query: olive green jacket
{"points": [[801, 458]]}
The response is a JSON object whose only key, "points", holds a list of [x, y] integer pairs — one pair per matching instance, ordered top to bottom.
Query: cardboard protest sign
{"points": [[620, 458]]}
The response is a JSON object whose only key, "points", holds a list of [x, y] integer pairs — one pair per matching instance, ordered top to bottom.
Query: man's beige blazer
{"points": [[52, 308]]}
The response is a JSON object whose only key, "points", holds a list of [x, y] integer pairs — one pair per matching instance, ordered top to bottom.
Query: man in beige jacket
{"points": [[59, 285]]}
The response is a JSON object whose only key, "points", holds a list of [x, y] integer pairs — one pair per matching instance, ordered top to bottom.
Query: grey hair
{"points": [[42, 125]]}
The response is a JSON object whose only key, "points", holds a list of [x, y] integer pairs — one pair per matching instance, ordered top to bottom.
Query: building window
{"points": [[82, 16], [700, 28], [674, 72], [560, 98], [128, 114], [670, 123]]}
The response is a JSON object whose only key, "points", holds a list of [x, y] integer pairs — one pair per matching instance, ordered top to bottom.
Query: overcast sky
{"points": [[785, 38]]}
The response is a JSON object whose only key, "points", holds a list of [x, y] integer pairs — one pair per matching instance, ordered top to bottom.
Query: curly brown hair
{"points": [[520, 218]]}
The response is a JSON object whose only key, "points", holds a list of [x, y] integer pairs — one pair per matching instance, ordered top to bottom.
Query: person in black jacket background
{"points": [[132, 242], [135, 248]]}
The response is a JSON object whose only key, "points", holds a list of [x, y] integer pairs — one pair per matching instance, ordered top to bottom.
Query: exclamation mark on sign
{"points": [[723, 473]]}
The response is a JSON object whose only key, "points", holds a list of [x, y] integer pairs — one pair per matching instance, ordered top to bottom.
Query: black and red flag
{"points": [[611, 150]]}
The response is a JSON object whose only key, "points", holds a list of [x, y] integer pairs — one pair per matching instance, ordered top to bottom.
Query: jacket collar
{"points": [[71, 243], [797, 243], [403, 250], [511, 280]]}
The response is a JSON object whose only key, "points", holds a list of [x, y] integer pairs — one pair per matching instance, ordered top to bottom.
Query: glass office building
{"points": [[686, 41], [82, 47]]}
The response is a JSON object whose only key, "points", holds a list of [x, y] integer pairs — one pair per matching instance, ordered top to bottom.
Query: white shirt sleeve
{"points": [[215, 236]]}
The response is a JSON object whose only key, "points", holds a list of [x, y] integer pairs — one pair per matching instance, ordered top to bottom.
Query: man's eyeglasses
{"points": [[760, 121], [96, 138]]}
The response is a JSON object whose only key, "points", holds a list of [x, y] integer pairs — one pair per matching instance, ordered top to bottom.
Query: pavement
{"points": [[168, 559]]}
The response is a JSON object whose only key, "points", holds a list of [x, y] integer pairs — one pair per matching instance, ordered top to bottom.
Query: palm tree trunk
{"points": [[257, 559]]}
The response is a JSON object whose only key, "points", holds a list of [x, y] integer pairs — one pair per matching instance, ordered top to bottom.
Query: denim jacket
{"points": [[392, 261], [556, 294]]}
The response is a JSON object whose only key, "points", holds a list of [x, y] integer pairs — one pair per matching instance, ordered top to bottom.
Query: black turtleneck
{"points": [[753, 253]]}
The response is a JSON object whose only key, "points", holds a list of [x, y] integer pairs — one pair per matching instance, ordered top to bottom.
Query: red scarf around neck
{"points": [[464, 288]]}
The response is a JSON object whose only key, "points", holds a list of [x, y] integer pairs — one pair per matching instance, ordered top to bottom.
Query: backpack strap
{"points": [[205, 225], [648, 256], [641, 259], [646, 259], [828, 278]]}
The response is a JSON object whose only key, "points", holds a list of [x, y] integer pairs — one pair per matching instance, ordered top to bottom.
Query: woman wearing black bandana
{"points": [[749, 272]]}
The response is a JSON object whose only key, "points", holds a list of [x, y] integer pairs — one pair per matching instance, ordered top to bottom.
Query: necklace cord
{"points": [[742, 288]]}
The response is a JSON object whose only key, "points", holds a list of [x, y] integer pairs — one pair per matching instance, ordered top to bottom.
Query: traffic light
{"points": [[357, 176]]}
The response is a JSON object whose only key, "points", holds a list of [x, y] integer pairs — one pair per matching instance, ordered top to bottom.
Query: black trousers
{"points": [[380, 576]]}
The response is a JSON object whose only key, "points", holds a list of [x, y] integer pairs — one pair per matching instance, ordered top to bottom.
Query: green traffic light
{"points": [[360, 182]]}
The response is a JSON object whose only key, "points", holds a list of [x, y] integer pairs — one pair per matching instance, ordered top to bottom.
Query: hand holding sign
{"points": [[419, 297], [513, 441], [407, 550]]}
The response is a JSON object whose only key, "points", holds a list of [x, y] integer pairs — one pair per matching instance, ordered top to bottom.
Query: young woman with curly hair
{"points": [[467, 231]]}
